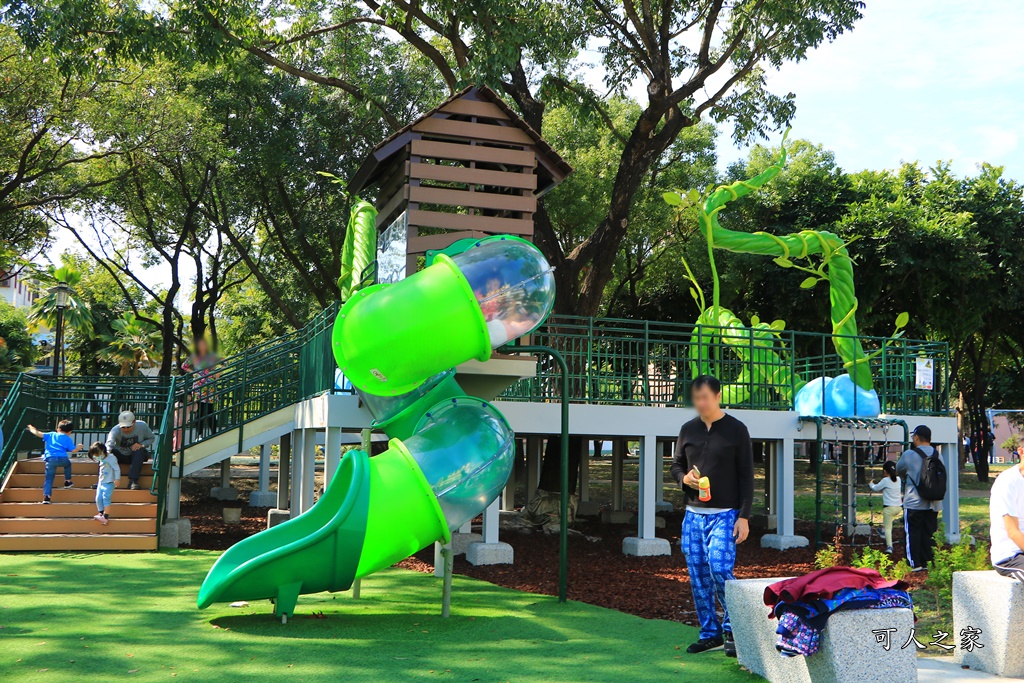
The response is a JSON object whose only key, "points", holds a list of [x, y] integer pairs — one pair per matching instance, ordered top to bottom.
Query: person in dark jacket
{"points": [[714, 465], [920, 515]]}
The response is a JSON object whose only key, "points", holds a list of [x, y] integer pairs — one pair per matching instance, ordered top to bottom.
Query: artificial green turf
{"points": [[109, 617]]}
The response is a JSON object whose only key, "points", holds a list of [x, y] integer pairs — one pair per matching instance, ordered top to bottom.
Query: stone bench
{"points": [[994, 605], [849, 652]]}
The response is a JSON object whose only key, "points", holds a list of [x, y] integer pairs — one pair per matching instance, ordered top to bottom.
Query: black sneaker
{"points": [[68, 484], [134, 487], [46, 500], [705, 644], [730, 645]]}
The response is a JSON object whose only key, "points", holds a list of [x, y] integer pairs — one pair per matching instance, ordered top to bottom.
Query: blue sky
{"points": [[914, 80]]}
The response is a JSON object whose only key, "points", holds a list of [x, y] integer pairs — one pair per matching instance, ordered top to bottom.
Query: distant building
{"points": [[16, 291]]}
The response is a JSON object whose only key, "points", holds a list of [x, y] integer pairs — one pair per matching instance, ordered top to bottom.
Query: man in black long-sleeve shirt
{"points": [[716, 446]]}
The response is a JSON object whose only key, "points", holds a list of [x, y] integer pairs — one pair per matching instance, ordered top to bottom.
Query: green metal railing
{"points": [[609, 361], [637, 362], [255, 383], [239, 389], [91, 403]]}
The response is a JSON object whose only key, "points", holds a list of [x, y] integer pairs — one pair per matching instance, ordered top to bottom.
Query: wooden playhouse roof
{"points": [[551, 167]]}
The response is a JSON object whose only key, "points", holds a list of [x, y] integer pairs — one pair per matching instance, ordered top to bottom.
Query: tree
{"points": [[693, 57], [51, 134], [98, 291], [77, 314], [134, 344], [17, 352], [1011, 444]]}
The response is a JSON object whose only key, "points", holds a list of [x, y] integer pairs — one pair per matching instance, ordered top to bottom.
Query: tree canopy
{"points": [[204, 140]]}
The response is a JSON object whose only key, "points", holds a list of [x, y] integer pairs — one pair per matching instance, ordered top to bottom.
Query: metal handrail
{"points": [[637, 362], [257, 382], [163, 455]]}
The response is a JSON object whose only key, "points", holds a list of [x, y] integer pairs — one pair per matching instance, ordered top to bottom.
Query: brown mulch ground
{"points": [[209, 532], [599, 574]]}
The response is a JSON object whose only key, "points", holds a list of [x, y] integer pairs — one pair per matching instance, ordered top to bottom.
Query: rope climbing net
{"points": [[856, 447]]}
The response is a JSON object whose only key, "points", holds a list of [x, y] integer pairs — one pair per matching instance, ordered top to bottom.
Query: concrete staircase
{"points": [[67, 524]]}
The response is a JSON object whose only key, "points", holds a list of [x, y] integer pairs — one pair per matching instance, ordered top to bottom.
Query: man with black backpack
{"points": [[925, 475]]}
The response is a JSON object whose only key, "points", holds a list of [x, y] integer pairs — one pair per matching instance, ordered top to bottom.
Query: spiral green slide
{"points": [[449, 455]]}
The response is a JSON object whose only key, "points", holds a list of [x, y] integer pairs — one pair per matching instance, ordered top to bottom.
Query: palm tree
{"points": [[77, 315], [135, 344]]}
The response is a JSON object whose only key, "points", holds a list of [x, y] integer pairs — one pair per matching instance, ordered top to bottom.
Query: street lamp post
{"points": [[62, 294]]}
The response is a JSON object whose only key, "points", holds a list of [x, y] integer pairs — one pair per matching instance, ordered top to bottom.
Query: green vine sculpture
{"points": [[824, 257]]}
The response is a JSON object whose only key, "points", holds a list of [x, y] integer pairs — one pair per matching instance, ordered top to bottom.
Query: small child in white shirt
{"points": [[109, 475], [892, 500]]}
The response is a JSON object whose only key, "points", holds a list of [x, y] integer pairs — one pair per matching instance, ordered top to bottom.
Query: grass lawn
{"points": [[103, 617]]}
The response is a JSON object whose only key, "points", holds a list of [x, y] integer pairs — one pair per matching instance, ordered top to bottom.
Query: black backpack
{"points": [[931, 483]]}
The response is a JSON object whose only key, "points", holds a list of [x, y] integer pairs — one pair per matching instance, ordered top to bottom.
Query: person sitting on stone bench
{"points": [[131, 441], [1006, 512]]}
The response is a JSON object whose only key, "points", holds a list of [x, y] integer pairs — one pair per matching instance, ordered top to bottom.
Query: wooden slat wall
{"points": [[475, 108], [477, 131], [495, 155], [471, 176], [507, 184], [480, 200], [461, 221], [423, 243]]}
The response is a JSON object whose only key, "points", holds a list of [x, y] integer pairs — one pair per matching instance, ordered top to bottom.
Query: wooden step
{"points": [[78, 466], [35, 481], [75, 495], [86, 510], [77, 525], [60, 542]]}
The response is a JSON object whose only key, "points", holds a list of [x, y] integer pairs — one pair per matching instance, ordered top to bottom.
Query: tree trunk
{"points": [[167, 326], [981, 441], [813, 457], [551, 466]]}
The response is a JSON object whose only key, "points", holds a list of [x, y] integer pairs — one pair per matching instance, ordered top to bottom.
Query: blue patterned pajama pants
{"points": [[710, 551]]}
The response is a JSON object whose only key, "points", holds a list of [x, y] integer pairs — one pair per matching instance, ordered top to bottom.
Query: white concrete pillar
{"points": [[534, 447], [332, 453], [618, 454], [298, 462], [284, 466], [308, 469], [585, 470], [771, 472], [264, 480], [648, 485], [785, 487], [224, 491], [508, 494], [263, 496], [173, 503], [951, 503], [782, 504], [492, 515], [646, 543], [491, 550]]}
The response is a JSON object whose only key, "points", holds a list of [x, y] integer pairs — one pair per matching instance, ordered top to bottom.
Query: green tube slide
{"points": [[449, 455]]}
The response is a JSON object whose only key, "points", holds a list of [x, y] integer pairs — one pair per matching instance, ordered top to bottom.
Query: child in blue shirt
{"points": [[57, 446]]}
